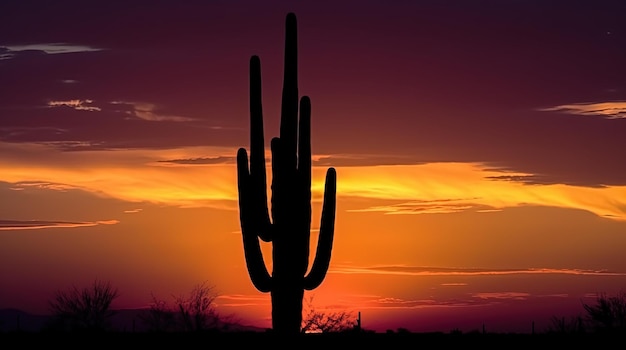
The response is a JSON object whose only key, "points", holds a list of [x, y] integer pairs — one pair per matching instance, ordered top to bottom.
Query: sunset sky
{"points": [[479, 147]]}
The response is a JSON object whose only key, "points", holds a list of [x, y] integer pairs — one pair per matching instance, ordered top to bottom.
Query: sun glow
{"points": [[159, 176], [451, 187]]}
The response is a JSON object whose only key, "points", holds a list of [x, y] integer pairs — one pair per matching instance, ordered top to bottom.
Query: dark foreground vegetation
{"points": [[81, 318], [308, 341]]}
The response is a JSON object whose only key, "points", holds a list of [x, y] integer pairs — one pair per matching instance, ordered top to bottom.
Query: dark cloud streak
{"points": [[202, 161]]}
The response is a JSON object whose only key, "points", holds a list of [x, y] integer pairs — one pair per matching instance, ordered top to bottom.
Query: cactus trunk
{"points": [[289, 227]]}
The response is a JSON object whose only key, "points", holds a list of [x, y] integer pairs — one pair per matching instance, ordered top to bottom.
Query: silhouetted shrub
{"points": [[86, 309], [195, 311], [608, 314], [315, 321]]}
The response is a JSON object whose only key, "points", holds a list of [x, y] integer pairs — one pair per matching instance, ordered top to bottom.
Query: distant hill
{"points": [[17, 320], [124, 320]]}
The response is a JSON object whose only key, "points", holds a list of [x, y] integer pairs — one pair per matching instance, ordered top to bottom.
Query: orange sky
{"points": [[478, 184], [408, 237]]}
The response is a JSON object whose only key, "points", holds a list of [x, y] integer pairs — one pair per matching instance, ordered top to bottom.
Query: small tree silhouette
{"points": [[86, 309], [197, 310], [608, 314], [159, 317], [315, 321], [575, 324]]}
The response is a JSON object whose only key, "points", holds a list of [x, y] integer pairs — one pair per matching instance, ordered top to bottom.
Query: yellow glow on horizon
{"points": [[150, 176], [458, 186]]}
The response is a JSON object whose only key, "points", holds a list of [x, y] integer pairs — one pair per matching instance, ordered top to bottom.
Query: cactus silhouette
{"points": [[290, 224]]}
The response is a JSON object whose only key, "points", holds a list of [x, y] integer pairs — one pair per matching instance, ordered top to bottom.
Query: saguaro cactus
{"points": [[290, 223]]}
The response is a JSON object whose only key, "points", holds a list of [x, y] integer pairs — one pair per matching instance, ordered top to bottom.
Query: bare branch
{"points": [[86, 309]]}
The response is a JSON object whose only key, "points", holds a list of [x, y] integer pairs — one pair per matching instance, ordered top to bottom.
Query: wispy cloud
{"points": [[48, 48], [77, 104], [608, 110], [148, 111], [18, 131], [76, 145], [347, 160], [200, 161], [128, 175], [169, 176], [19, 186], [453, 187], [443, 206], [12, 225], [447, 271], [502, 295], [239, 300], [467, 300], [362, 302]]}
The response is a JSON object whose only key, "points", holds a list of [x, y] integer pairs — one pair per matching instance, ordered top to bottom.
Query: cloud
{"points": [[48, 48], [5, 53], [79, 105], [142, 110], [608, 110], [147, 111], [76, 145], [348, 160], [201, 161], [127, 175], [168, 176], [526, 179], [19, 186], [453, 187], [443, 206], [13, 225], [445, 271], [502, 295], [471, 299], [239, 300], [378, 302]]}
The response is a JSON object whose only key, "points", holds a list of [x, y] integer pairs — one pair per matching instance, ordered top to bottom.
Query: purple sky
{"points": [[511, 83]]}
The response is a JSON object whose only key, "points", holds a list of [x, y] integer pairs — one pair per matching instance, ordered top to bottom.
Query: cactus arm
{"points": [[251, 183], [243, 186], [259, 211], [327, 230], [252, 250], [259, 275]]}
